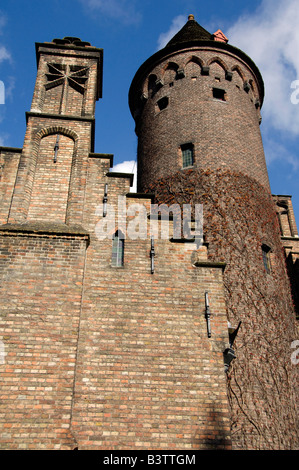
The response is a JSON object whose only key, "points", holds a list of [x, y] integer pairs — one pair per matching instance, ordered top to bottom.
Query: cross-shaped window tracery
{"points": [[60, 74]]}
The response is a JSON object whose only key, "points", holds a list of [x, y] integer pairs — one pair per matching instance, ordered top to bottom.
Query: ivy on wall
{"points": [[239, 217]]}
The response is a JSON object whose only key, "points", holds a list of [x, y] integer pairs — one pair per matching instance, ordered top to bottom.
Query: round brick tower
{"points": [[199, 93], [196, 104]]}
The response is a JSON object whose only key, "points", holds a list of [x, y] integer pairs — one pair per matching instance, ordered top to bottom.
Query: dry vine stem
{"points": [[239, 217]]}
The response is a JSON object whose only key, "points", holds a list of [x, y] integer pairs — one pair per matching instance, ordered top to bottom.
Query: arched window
{"points": [[170, 73], [152, 85], [52, 178], [118, 243]]}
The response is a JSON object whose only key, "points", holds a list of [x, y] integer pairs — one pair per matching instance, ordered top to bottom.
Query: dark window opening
{"points": [[247, 87], [219, 94], [163, 103], [187, 155], [266, 258]]}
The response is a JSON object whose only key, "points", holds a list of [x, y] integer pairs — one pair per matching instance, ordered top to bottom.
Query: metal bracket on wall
{"points": [[56, 148], [105, 200], [152, 255], [208, 314]]}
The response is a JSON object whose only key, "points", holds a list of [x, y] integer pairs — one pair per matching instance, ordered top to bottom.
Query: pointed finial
{"points": [[191, 18]]}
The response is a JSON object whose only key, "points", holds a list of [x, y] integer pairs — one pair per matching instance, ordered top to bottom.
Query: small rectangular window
{"points": [[219, 94], [163, 103], [187, 155], [117, 250], [266, 258]]}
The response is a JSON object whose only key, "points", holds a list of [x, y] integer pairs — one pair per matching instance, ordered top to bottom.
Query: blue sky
{"points": [[130, 31]]}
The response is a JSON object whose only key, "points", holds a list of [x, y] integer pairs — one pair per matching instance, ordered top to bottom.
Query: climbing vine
{"points": [[239, 217]]}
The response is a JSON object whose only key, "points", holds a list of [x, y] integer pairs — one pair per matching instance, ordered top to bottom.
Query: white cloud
{"points": [[124, 11], [177, 24], [270, 36], [4, 54], [9, 87], [275, 151], [129, 166]]}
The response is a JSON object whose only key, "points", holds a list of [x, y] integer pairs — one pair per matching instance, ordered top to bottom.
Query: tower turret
{"points": [[199, 96], [196, 104]]}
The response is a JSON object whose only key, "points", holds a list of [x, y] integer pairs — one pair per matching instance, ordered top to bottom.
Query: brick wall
{"points": [[53, 97], [77, 133], [9, 162], [50, 190], [290, 241], [40, 295], [109, 358], [148, 377]]}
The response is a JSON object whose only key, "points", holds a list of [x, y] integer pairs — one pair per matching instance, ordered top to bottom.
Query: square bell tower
{"points": [[60, 133]]}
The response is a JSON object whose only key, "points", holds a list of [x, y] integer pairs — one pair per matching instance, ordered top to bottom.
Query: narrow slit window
{"points": [[187, 155], [118, 249], [266, 258]]}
